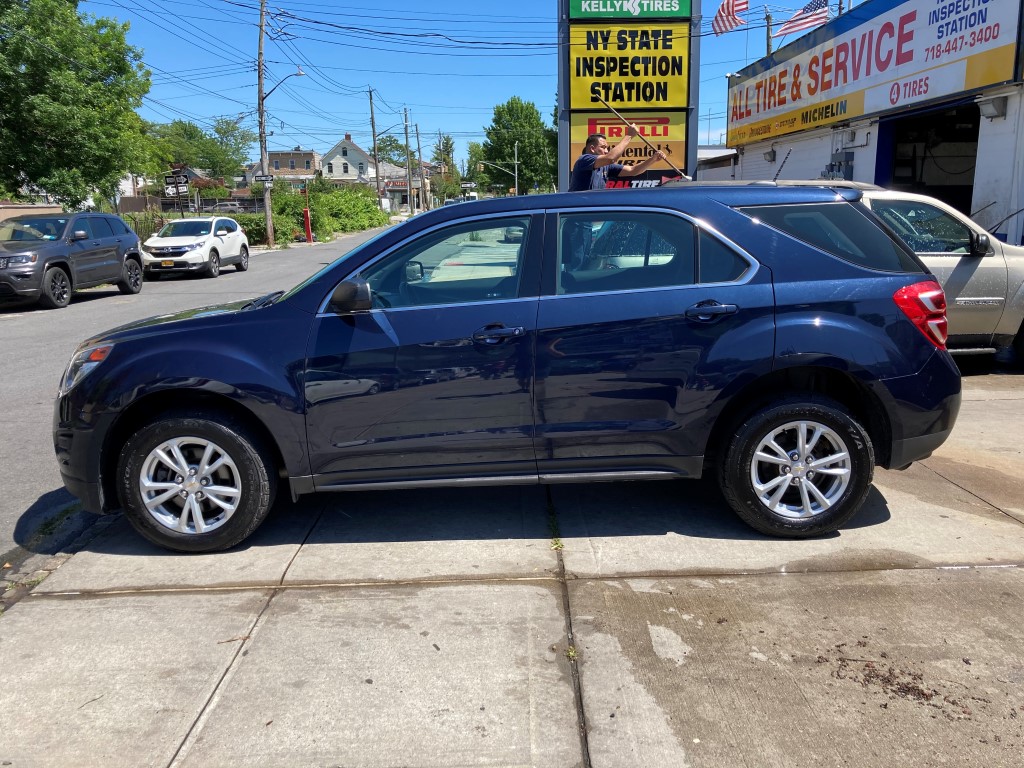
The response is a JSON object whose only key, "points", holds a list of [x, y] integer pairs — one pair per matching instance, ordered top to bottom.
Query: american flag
{"points": [[811, 15], [727, 19]]}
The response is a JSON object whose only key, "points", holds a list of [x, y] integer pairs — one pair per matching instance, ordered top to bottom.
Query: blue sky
{"points": [[202, 54]]}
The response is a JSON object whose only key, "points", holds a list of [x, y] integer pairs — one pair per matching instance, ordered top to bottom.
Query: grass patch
{"points": [[51, 526]]}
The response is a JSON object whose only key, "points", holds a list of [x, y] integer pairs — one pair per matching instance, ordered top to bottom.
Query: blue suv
{"points": [[782, 340]]}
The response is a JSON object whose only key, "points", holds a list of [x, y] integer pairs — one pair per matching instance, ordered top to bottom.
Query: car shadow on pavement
{"points": [[692, 509]]}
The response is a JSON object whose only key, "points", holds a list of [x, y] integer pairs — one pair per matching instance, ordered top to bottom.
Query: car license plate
{"points": [[3, 263], [166, 263]]}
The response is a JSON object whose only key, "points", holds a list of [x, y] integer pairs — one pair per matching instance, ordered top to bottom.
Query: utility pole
{"points": [[768, 30], [376, 160], [408, 163], [515, 164], [423, 176], [267, 204]]}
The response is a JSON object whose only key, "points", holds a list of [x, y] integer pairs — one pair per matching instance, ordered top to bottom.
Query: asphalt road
{"points": [[36, 345]]}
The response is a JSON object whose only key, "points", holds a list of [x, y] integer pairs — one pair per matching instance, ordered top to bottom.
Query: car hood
{"points": [[164, 242], [38, 246], [184, 319]]}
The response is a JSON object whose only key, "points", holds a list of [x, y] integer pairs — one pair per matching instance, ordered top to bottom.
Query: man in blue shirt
{"points": [[597, 163]]}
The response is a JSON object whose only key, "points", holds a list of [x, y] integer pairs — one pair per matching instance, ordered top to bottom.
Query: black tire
{"points": [[243, 260], [213, 267], [131, 277], [56, 289], [373, 390], [246, 479], [798, 512]]}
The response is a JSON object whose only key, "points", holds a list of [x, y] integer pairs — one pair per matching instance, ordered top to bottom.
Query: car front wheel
{"points": [[56, 289], [798, 468], [195, 483]]}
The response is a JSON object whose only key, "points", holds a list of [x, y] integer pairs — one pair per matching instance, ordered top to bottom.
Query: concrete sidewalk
{"points": [[446, 628]]}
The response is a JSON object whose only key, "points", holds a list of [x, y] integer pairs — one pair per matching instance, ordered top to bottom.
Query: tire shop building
{"points": [[916, 95]]}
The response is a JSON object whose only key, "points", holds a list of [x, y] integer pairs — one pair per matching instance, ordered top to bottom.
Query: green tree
{"points": [[69, 87], [519, 121], [391, 150], [226, 151], [474, 172], [448, 184]]}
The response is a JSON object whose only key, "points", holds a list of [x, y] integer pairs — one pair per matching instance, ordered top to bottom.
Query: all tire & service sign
{"points": [[637, 56], [882, 56]]}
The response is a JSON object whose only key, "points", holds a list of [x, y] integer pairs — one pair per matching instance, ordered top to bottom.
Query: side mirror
{"points": [[221, 232], [79, 234], [980, 244], [413, 272], [353, 295]]}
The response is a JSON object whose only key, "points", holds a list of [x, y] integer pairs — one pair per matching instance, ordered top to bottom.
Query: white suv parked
{"points": [[196, 245]]}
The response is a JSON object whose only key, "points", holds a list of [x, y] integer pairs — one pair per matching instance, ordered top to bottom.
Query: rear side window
{"points": [[116, 224], [100, 227], [841, 229], [719, 263]]}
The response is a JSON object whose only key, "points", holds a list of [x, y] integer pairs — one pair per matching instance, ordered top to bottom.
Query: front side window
{"points": [[100, 227], [925, 228], [842, 229], [623, 251], [470, 262]]}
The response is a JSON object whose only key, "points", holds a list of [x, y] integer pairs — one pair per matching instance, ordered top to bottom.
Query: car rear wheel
{"points": [[243, 260], [213, 267], [131, 277], [56, 289], [798, 468], [195, 483]]}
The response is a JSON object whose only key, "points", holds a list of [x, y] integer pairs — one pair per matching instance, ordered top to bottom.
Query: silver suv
{"points": [[47, 257], [982, 277]]}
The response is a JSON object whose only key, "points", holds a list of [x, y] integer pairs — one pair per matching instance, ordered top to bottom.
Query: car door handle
{"points": [[707, 311], [493, 334]]}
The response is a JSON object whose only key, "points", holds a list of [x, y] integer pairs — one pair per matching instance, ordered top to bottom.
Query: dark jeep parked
{"points": [[47, 257], [781, 340]]}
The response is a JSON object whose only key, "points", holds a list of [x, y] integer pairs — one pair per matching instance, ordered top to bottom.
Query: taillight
{"points": [[925, 305]]}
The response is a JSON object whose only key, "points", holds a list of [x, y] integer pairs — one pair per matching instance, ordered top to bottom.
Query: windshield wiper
{"points": [[264, 301]]}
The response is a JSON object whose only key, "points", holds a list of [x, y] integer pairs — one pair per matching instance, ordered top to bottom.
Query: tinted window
{"points": [[227, 224], [118, 225], [100, 227], [925, 228], [842, 229], [624, 251], [468, 262], [718, 262]]}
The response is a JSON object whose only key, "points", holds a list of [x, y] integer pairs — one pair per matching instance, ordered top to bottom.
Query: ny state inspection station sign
{"points": [[629, 9], [890, 55], [640, 65]]}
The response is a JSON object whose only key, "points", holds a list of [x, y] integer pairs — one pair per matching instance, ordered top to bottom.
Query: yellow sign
{"points": [[636, 66], [665, 130]]}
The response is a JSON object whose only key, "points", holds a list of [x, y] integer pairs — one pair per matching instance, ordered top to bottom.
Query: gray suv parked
{"points": [[46, 257]]}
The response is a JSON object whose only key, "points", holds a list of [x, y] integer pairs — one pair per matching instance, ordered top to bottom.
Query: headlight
{"points": [[193, 246], [25, 258], [82, 364]]}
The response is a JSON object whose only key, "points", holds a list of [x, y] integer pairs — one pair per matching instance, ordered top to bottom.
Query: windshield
{"points": [[185, 229], [32, 230], [327, 268]]}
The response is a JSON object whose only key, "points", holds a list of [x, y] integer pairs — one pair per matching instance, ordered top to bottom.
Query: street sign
{"points": [[263, 178], [181, 179], [169, 180], [468, 185], [183, 189], [170, 191]]}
